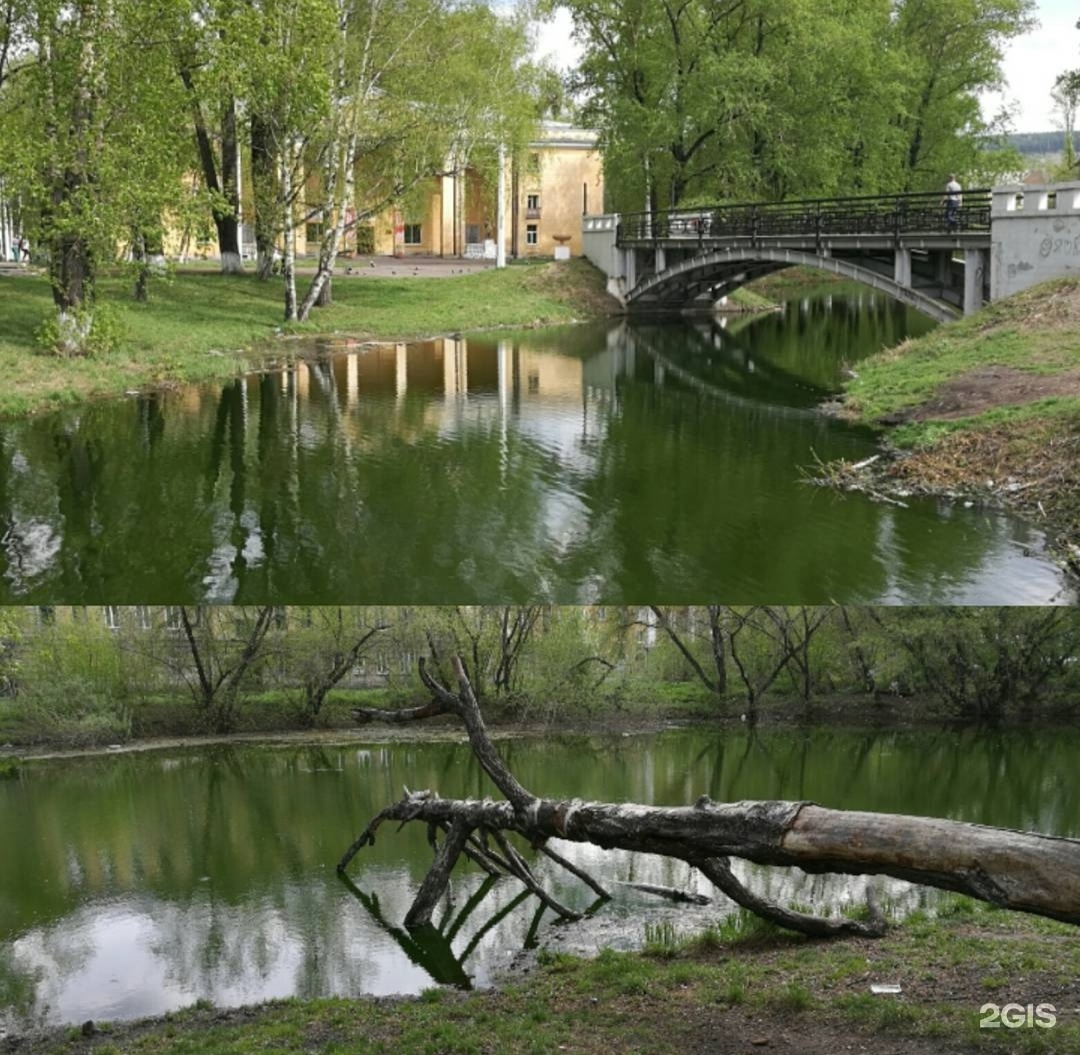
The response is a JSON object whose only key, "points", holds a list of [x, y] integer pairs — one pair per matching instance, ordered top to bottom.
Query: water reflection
{"points": [[597, 463], [142, 883]]}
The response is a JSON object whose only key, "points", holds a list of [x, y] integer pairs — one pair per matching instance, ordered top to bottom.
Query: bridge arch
{"points": [[714, 273]]}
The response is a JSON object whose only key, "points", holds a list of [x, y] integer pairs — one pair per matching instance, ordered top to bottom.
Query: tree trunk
{"points": [[263, 181], [223, 184], [340, 193], [228, 221], [149, 254], [71, 260], [288, 260], [71, 267], [142, 271], [716, 637], [1023, 871]]}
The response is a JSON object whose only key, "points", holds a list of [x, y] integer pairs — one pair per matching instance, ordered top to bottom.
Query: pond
{"points": [[615, 463], [137, 883]]}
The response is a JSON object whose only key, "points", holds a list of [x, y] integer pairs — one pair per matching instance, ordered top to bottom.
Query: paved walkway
{"points": [[368, 266], [407, 267]]}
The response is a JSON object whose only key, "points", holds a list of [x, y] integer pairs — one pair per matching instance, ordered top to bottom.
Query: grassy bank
{"points": [[199, 326], [987, 407], [738, 988]]}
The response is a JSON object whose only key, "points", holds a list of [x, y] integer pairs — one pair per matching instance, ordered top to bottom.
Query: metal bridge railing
{"points": [[894, 214]]}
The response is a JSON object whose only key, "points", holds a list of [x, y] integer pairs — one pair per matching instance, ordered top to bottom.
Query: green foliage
{"points": [[807, 98], [94, 147], [365, 239], [89, 330], [11, 635], [986, 663], [79, 680], [75, 681], [9, 768]]}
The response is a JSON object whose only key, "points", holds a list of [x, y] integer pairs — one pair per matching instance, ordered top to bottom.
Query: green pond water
{"points": [[604, 463], [138, 883]]}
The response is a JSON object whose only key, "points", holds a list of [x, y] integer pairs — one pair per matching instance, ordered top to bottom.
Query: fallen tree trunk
{"points": [[1015, 870], [1023, 871]]}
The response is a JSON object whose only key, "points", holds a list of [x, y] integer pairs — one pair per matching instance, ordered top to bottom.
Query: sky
{"points": [[1035, 59], [1031, 62]]}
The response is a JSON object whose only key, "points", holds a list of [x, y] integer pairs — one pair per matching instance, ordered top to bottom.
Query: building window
{"points": [[532, 206], [314, 232], [412, 234], [532, 234], [112, 616], [142, 617], [173, 619]]}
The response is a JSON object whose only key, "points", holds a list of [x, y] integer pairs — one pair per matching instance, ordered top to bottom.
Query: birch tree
{"points": [[413, 84], [91, 141]]}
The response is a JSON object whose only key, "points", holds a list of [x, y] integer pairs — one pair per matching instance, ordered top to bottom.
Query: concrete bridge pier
{"points": [[975, 267], [630, 268], [902, 268]]}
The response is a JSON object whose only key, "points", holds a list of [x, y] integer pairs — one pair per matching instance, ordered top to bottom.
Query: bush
{"points": [[87, 331], [74, 683]]}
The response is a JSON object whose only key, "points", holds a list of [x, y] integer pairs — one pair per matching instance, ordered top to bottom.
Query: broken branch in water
{"points": [[1024, 871]]}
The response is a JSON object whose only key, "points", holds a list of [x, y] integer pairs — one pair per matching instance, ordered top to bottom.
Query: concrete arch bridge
{"points": [[945, 262]]}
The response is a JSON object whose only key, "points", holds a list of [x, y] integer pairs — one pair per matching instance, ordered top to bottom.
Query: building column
{"points": [[661, 260], [629, 267], [902, 268], [974, 273]]}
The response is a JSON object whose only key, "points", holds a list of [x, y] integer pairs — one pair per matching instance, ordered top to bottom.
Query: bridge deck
{"points": [[911, 220]]}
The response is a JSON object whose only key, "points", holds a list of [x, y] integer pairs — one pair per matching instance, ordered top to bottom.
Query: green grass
{"points": [[748, 299], [199, 326], [1027, 333], [988, 406], [160, 715], [661, 939], [630, 1002]]}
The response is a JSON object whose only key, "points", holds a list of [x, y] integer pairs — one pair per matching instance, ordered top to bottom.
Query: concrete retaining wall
{"points": [[598, 234], [1035, 234]]}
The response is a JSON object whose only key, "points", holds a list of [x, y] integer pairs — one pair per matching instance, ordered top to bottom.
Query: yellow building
{"points": [[560, 180], [546, 194]]}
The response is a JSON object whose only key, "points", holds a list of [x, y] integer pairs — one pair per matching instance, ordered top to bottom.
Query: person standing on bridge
{"points": [[952, 201]]}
